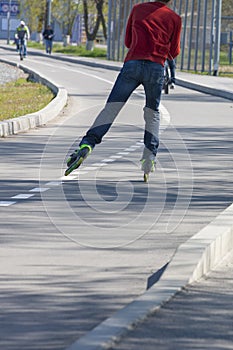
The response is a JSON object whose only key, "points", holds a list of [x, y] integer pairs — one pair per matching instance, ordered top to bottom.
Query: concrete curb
{"points": [[205, 89], [30, 121], [192, 260]]}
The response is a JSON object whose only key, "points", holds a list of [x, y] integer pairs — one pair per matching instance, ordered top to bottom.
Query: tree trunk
{"points": [[91, 35], [90, 45]]}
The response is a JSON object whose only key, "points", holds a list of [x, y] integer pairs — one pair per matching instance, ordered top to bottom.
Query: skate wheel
{"points": [[74, 166]]}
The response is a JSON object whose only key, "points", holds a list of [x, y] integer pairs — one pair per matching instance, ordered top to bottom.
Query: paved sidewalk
{"points": [[217, 86], [167, 316], [200, 317]]}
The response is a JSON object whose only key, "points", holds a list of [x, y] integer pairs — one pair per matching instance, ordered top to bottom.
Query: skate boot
{"points": [[77, 158], [148, 166]]}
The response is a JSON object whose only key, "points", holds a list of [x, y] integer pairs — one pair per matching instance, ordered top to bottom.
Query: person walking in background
{"points": [[22, 35], [48, 35], [152, 36]]}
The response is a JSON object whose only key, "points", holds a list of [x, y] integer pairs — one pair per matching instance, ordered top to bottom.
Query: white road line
{"points": [[135, 147], [129, 149], [123, 153], [116, 157], [108, 160], [69, 178], [54, 183], [39, 189], [23, 196], [6, 203]]}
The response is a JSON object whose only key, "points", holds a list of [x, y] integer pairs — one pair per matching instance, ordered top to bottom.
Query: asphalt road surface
{"points": [[76, 249]]}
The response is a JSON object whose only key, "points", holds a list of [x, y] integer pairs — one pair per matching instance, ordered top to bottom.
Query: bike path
{"points": [[186, 308], [161, 335], [83, 347]]}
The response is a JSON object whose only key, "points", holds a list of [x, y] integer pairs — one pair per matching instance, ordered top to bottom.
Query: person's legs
{"points": [[47, 45], [50, 46], [25, 47], [131, 76], [127, 81], [153, 83]]}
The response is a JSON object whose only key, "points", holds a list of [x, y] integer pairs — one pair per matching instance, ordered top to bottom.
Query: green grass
{"points": [[72, 50], [22, 97]]}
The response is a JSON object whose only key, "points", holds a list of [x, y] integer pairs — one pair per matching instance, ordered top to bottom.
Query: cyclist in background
{"points": [[22, 35]]}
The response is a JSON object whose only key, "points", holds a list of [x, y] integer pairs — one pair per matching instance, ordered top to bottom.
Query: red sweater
{"points": [[152, 33]]}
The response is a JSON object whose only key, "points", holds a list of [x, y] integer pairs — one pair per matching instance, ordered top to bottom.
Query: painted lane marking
{"points": [[129, 149], [123, 153], [116, 157], [108, 160], [74, 176], [70, 178], [54, 183], [39, 189], [23, 196], [6, 203]]}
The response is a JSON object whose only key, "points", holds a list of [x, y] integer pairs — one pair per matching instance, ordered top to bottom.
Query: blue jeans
{"points": [[23, 46], [48, 46], [133, 74]]}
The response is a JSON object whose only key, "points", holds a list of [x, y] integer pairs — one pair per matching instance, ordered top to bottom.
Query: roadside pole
{"points": [[48, 13], [8, 22], [217, 36]]}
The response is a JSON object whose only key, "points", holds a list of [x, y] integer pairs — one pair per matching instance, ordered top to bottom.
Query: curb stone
{"points": [[24, 123], [192, 260]]}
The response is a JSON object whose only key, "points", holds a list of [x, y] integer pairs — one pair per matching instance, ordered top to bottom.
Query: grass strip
{"points": [[22, 97]]}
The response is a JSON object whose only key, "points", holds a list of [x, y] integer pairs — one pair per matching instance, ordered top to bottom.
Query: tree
{"points": [[65, 12], [34, 13], [92, 27]]}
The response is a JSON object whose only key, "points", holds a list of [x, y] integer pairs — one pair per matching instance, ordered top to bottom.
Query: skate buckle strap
{"points": [[85, 145]]}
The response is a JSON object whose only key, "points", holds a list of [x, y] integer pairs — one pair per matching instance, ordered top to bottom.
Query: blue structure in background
{"points": [[9, 11]]}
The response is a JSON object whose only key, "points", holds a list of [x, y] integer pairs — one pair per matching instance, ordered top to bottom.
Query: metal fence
{"points": [[200, 39]]}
